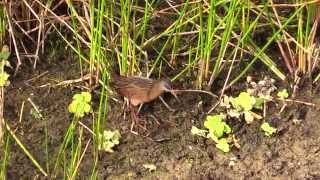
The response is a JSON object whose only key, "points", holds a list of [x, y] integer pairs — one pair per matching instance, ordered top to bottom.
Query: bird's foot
{"points": [[155, 119], [139, 126]]}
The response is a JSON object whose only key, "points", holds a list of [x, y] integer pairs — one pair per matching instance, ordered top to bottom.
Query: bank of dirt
{"points": [[292, 153]]}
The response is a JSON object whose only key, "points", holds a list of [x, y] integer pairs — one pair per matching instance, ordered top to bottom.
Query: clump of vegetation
{"points": [[4, 55], [283, 94], [254, 99], [80, 104], [242, 105], [246, 106], [217, 128], [268, 129], [109, 139]]}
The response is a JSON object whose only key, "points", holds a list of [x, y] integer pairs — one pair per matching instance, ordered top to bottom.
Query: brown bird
{"points": [[140, 90]]}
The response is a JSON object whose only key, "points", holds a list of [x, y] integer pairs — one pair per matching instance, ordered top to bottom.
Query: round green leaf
{"points": [[223, 145]]}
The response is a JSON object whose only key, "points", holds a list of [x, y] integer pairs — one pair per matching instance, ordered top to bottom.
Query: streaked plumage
{"points": [[140, 90]]}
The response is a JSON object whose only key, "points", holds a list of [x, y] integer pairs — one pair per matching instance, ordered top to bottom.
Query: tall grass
{"points": [[2, 25], [4, 139], [5, 157]]}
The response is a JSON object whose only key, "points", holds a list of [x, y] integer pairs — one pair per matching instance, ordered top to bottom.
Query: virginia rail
{"points": [[140, 90]]}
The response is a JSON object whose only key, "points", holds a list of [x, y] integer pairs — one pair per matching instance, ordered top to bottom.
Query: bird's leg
{"points": [[167, 105], [125, 107], [139, 109], [155, 119], [133, 120], [136, 121]]}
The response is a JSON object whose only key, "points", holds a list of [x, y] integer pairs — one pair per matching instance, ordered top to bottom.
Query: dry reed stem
{"points": [[2, 123]]}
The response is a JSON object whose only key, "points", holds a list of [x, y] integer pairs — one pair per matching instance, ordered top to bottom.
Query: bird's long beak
{"points": [[174, 93]]}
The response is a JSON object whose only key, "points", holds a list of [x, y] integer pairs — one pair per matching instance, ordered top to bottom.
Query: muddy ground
{"points": [[293, 153]]}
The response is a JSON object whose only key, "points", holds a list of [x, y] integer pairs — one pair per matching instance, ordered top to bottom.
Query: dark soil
{"points": [[293, 153]]}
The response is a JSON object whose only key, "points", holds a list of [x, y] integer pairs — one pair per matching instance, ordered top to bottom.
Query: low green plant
{"points": [[4, 55], [283, 94], [256, 95], [244, 102], [80, 104], [242, 105], [217, 128], [268, 129], [199, 132], [109, 140], [223, 145]]}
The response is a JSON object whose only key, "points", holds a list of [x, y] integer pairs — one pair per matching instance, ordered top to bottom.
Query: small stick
{"points": [[13, 40], [37, 77], [68, 82], [198, 91], [202, 91], [298, 101], [35, 107], [213, 107], [282, 108], [21, 111], [87, 128], [81, 157]]}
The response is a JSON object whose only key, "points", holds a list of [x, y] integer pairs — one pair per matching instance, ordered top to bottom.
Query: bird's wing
{"points": [[132, 82], [133, 87]]}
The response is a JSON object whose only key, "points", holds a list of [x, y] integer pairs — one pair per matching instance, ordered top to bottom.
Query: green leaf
{"points": [[5, 53], [4, 63], [3, 79], [283, 94], [83, 96], [86, 96], [78, 97], [243, 102], [259, 103], [80, 104], [86, 108], [212, 121], [216, 126], [227, 128], [218, 130], [268, 130], [199, 132], [213, 136], [108, 140], [223, 145]]}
